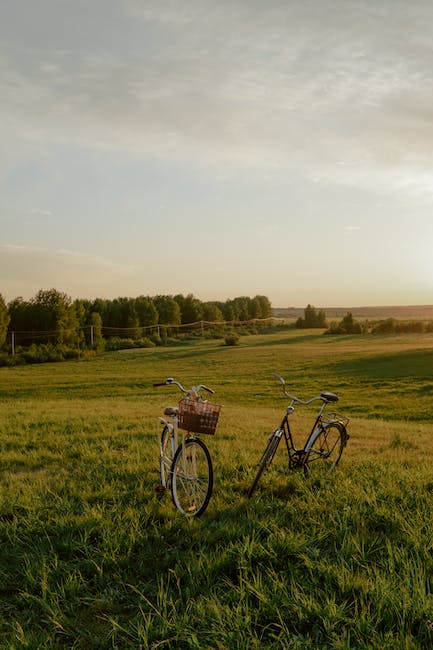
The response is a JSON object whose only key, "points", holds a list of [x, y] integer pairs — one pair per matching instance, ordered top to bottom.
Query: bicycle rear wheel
{"points": [[323, 449], [166, 456], [265, 460], [192, 477]]}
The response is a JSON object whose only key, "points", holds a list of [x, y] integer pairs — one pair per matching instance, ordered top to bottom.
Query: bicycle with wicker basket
{"points": [[323, 447], [185, 462]]}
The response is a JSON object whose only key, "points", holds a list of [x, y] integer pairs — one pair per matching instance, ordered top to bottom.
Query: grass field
{"points": [[92, 557]]}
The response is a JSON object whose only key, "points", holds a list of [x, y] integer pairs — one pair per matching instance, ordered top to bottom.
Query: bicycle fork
{"points": [[169, 446]]}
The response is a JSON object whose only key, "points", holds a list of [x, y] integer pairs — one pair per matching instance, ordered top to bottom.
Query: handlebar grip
{"points": [[159, 384]]}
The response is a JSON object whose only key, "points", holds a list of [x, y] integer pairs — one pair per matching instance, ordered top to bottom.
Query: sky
{"points": [[219, 148]]}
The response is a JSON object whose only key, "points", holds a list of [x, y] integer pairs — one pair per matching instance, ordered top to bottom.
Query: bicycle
{"points": [[323, 447], [186, 467]]}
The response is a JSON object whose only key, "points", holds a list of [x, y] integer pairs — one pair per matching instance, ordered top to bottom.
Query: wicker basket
{"points": [[197, 416]]}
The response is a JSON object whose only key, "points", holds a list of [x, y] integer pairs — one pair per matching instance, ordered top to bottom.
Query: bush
{"points": [[346, 326], [384, 326], [410, 327], [334, 328], [214, 333], [231, 339], [116, 343], [144, 343], [44, 353], [9, 360]]}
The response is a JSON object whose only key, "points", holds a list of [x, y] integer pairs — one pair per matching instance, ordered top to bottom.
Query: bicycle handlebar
{"points": [[194, 389], [324, 397]]}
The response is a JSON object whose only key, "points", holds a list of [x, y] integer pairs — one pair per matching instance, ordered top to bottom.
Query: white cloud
{"points": [[294, 87], [37, 212]]}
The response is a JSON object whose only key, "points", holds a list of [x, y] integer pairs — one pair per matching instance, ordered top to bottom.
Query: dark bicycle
{"points": [[323, 447]]}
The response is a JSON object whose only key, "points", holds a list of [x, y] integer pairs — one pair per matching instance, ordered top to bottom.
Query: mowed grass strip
{"points": [[93, 557]]}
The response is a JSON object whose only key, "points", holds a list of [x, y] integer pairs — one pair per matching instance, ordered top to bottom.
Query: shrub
{"points": [[346, 326], [384, 326], [410, 327], [214, 333], [156, 339], [231, 339], [116, 343], [144, 343], [44, 353], [9, 360]]}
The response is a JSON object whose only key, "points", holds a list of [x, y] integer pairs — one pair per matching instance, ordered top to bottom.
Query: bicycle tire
{"points": [[323, 449], [166, 457], [265, 460], [192, 478]]}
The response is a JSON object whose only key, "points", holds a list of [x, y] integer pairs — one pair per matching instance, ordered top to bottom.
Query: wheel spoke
{"points": [[324, 450]]}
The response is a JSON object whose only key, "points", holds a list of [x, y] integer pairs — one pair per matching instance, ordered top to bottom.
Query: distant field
{"points": [[404, 312], [92, 557]]}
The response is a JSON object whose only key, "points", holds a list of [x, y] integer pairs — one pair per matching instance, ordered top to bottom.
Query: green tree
{"points": [[265, 306], [190, 308], [241, 308], [255, 308], [168, 310], [227, 310], [146, 311], [211, 312], [20, 313], [53, 313], [129, 318], [312, 318], [4, 321], [95, 323], [349, 325], [346, 326]]}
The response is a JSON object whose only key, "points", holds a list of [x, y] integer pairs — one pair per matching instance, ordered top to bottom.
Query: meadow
{"points": [[93, 557]]}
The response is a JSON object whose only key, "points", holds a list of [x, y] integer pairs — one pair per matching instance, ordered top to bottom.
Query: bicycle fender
{"points": [[166, 424], [319, 430], [343, 430]]}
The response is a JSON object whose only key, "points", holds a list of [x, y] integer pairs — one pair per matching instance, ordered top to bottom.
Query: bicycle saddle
{"points": [[329, 397], [171, 410]]}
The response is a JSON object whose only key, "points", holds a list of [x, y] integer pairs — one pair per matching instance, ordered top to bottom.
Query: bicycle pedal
{"points": [[159, 488]]}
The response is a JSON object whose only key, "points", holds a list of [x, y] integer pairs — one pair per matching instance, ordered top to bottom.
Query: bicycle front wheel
{"points": [[323, 449], [265, 460], [192, 478]]}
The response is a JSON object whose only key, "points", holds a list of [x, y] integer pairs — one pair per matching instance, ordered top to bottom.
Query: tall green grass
{"points": [[92, 557]]}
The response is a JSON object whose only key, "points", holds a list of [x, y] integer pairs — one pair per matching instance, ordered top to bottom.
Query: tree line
{"points": [[53, 317], [52, 327]]}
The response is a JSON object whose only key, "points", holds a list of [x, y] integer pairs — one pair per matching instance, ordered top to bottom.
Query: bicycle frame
{"points": [[173, 431], [295, 455]]}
